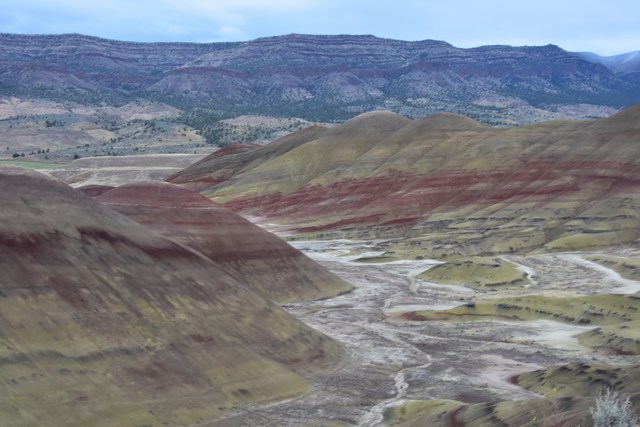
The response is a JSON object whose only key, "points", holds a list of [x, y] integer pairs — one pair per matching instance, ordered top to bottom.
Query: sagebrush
{"points": [[612, 411]]}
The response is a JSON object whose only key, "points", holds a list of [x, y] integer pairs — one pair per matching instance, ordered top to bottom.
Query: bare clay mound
{"points": [[254, 256], [106, 323], [464, 366], [568, 412]]}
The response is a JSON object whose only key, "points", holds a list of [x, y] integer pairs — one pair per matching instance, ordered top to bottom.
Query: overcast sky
{"points": [[606, 27]]}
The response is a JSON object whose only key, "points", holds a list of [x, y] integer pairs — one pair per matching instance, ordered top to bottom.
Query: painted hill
{"points": [[107, 170], [202, 175], [445, 184], [252, 255], [106, 323]]}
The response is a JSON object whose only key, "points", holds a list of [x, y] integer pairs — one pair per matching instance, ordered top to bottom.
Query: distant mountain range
{"points": [[627, 64], [322, 78]]}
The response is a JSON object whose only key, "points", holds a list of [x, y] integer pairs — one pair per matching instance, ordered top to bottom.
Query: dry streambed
{"points": [[393, 361]]}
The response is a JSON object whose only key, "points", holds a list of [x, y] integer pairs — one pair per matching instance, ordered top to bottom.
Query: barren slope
{"points": [[217, 168], [447, 185], [254, 256], [106, 323]]}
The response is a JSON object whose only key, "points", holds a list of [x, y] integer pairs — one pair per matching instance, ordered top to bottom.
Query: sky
{"points": [[606, 27]]}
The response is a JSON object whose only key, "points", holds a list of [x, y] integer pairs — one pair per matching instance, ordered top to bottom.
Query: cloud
{"points": [[150, 20], [231, 32]]}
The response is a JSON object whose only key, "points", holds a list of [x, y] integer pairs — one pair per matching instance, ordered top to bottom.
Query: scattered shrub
{"points": [[611, 411]]}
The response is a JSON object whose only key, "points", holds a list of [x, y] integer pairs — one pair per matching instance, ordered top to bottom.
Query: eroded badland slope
{"points": [[446, 184], [257, 258], [516, 310], [107, 323]]}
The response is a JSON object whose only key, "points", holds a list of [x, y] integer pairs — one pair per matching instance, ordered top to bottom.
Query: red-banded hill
{"points": [[217, 168], [445, 183], [254, 256], [105, 323]]}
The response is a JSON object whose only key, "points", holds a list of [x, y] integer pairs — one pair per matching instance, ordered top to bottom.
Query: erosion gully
{"points": [[389, 361]]}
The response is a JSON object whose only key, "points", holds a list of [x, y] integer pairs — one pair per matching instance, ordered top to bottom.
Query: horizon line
{"points": [[305, 35]]}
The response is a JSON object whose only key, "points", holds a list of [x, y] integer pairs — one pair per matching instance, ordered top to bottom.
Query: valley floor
{"points": [[390, 361]]}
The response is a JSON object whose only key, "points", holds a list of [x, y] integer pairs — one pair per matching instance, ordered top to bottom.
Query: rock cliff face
{"points": [[89, 64], [317, 77], [446, 184], [257, 258], [106, 323]]}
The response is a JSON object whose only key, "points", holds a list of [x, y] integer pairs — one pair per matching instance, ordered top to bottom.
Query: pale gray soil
{"points": [[120, 170], [390, 360]]}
